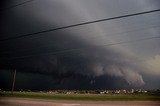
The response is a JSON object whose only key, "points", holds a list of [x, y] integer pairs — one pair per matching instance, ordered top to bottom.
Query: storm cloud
{"points": [[78, 54]]}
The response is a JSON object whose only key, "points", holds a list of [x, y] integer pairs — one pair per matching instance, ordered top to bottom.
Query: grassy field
{"points": [[85, 97]]}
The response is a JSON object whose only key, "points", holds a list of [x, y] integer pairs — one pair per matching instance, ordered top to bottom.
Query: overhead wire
{"points": [[16, 5], [79, 24], [119, 34], [83, 48]]}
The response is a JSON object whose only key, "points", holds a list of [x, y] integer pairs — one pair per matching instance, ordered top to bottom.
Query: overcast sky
{"points": [[129, 65]]}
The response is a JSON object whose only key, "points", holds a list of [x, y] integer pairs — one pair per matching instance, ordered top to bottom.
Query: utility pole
{"points": [[14, 77]]}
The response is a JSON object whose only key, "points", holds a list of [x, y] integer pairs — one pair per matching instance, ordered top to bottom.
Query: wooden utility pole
{"points": [[14, 77]]}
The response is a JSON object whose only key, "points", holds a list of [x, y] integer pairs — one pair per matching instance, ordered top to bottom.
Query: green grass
{"points": [[86, 97]]}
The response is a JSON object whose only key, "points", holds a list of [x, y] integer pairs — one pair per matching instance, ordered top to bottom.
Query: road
{"points": [[42, 102]]}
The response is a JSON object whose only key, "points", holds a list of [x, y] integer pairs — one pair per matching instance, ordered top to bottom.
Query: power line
{"points": [[13, 6], [80, 24], [77, 49], [26, 50]]}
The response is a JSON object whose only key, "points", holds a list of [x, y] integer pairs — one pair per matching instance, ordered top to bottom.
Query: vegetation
{"points": [[90, 97]]}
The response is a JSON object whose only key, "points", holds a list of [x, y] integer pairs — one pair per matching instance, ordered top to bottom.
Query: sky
{"points": [[80, 57]]}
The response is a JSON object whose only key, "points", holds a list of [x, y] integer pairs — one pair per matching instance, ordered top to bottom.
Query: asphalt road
{"points": [[42, 102]]}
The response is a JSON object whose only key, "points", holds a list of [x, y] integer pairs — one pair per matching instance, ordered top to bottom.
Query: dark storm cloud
{"points": [[89, 63], [94, 67]]}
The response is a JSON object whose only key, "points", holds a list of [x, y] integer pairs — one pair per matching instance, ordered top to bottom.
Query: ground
{"points": [[51, 99], [12, 101]]}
